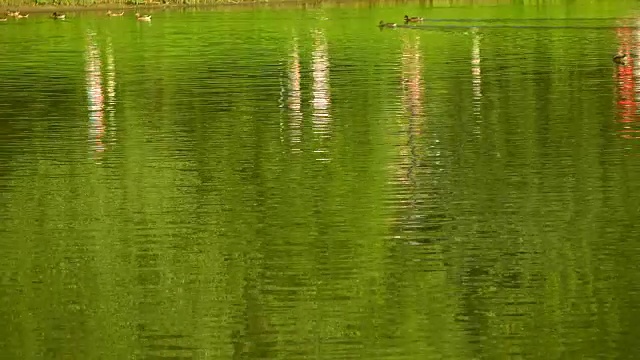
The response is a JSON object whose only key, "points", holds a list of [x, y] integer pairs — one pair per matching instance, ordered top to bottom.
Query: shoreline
{"points": [[31, 8], [41, 9]]}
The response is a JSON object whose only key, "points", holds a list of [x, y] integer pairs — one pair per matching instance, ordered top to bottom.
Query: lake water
{"points": [[294, 183]]}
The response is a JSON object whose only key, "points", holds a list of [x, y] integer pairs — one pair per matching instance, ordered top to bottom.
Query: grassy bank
{"points": [[34, 6], [43, 6]]}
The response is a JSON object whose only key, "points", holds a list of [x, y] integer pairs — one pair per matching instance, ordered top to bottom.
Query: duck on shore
{"points": [[110, 13], [58, 16], [143, 17], [408, 19], [382, 24]]}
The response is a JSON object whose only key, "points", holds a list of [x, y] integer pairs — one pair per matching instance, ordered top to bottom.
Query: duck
{"points": [[13, 13], [109, 13], [20, 16], [58, 16], [143, 17], [3, 19], [413, 19], [389, 25], [620, 59]]}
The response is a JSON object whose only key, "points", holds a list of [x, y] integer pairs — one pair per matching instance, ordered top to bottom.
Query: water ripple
{"points": [[264, 184]]}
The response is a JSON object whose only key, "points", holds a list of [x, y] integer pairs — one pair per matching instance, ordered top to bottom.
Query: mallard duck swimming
{"points": [[13, 13], [109, 13], [20, 16], [58, 16], [143, 17], [413, 19], [389, 25], [620, 59]]}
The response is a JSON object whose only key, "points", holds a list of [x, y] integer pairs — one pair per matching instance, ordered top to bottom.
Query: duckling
{"points": [[109, 13], [20, 16], [58, 16], [143, 17], [413, 19], [382, 24], [620, 59]]}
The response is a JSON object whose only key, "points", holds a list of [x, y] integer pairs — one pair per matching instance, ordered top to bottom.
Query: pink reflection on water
{"points": [[412, 79], [321, 96], [413, 103], [405, 221]]}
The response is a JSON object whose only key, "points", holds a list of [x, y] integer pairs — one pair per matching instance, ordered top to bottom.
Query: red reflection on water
{"points": [[626, 101]]}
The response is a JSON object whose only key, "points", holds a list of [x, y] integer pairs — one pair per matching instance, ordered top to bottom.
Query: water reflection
{"points": [[635, 60], [476, 74], [412, 79], [110, 87], [95, 96], [321, 97], [293, 98], [412, 99], [626, 101], [412, 103], [201, 236]]}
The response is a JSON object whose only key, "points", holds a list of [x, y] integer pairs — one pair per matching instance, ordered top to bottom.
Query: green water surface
{"points": [[294, 183]]}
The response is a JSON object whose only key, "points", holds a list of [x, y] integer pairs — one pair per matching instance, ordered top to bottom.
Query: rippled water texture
{"points": [[295, 183]]}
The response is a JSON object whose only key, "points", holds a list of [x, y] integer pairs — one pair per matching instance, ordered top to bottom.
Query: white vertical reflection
{"points": [[476, 75], [110, 83], [95, 95], [321, 97], [293, 99]]}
